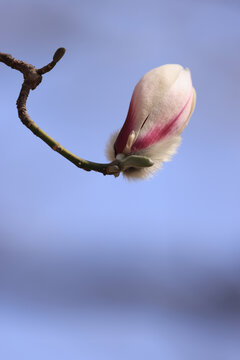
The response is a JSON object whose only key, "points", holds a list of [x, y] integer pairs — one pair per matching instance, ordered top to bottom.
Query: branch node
{"points": [[32, 78], [29, 123], [57, 147], [113, 169]]}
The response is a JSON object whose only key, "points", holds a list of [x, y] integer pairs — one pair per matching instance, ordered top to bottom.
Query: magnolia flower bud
{"points": [[160, 108]]}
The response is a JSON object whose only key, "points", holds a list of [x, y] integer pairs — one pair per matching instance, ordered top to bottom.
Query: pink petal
{"points": [[160, 105], [128, 126], [159, 132]]}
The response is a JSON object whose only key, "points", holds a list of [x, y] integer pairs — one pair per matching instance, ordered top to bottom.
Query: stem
{"points": [[32, 78]]}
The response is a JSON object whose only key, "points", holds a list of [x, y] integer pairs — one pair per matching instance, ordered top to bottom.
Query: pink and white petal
{"points": [[147, 94], [169, 115], [127, 128]]}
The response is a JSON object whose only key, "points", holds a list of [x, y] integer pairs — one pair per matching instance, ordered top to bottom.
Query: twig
{"points": [[32, 78]]}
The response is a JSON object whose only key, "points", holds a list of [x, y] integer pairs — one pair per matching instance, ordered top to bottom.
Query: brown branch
{"points": [[32, 78]]}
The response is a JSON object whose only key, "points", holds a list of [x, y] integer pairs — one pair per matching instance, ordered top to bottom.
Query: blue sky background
{"points": [[95, 267]]}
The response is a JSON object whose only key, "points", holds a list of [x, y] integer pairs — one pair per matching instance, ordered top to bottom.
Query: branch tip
{"points": [[59, 54]]}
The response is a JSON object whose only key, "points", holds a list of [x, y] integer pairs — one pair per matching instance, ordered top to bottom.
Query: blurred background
{"points": [[94, 267]]}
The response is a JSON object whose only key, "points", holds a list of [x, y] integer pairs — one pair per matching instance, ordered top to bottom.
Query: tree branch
{"points": [[32, 78]]}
